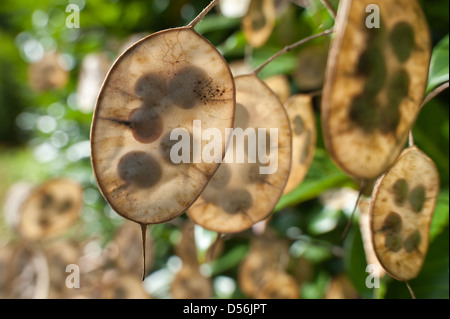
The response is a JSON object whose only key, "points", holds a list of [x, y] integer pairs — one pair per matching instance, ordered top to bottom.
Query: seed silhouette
{"points": [[375, 84], [304, 138], [241, 194], [50, 209], [401, 210]]}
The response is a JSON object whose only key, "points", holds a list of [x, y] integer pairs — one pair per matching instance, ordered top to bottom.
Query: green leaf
{"points": [[439, 68]]}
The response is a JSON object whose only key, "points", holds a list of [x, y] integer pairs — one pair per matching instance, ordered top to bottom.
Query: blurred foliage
{"points": [[45, 134]]}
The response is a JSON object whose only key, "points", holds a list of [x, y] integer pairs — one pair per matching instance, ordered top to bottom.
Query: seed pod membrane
{"points": [[259, 22], [162, 83], [375, 83], [304, 138], [241, 193], [402, 207], [50, 209], [189, 283], [278, 285]]}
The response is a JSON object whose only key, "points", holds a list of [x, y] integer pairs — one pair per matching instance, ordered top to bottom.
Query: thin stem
{"points": [[330, 8], [203, 13], [291, 47], [435, 93], [411, 139], [350, 221], [144, 248], [413, 295]]}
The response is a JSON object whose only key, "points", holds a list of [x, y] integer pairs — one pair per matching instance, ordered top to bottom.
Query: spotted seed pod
{"points": [[259, 22], [162, 83], [375, 83], [304, 138], [244, 192], [50, 209], [401, 210]]}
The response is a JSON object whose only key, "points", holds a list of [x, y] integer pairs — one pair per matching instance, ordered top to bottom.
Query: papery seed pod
{"points": [[259, 22], [375, 83], [159, 86], [304, 138], [247, 186], [50, 209], [401, 210], [189, 283], [278, 285]]}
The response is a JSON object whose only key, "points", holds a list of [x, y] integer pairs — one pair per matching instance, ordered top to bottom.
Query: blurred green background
{"points": [[45, 123]]}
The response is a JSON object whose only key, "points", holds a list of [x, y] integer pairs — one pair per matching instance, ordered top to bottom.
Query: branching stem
{"points": [[203, 13], [291, 47]]}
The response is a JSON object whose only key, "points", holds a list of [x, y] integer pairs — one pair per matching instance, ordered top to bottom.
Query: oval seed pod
{"points": [[259, 22], [375, 83], [158, 99], [304, 138], [247, 186], [50, 209], [401, 210], [267, 254], [189, 283], [278, 285], [125, 286]]}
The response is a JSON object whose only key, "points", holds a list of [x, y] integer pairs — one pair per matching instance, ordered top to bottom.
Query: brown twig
{"points": [[330, 8], [203, 14], [288, 48]]}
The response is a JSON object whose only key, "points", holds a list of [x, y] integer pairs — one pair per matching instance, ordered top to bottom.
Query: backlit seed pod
{"points": [[259, 22], [310, 72], [50, 73], [375, 83], [280, 85], [164, 91], [304, 138], [250, 182], [50, 209], [401, 210], [366, 234], [127, 243], [186, 248], [267, 254], [60, 255], [189, 283], [278, 285], [125, 286], [340, 287]]}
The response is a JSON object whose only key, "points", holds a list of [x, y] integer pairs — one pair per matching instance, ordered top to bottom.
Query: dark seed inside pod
{"points": [[402, 41], [146, 124], [139, 169], [401, 191]]}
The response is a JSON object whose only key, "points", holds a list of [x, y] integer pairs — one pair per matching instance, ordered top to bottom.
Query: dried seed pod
{"points": [[259, 22], [310, 72], [50, 73], [375, 83], [280, 85], [158, 88], [304, 138], [247, 186], [50, 209], [401, 210], [366, 234], [127, 242], [186, 248], [61, 254], [267, 254], [189, 283], [278, 285], [125, 286], [341, 287]]}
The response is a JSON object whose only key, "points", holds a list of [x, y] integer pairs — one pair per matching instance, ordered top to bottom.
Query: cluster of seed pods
{"points": [[374, 87]]}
